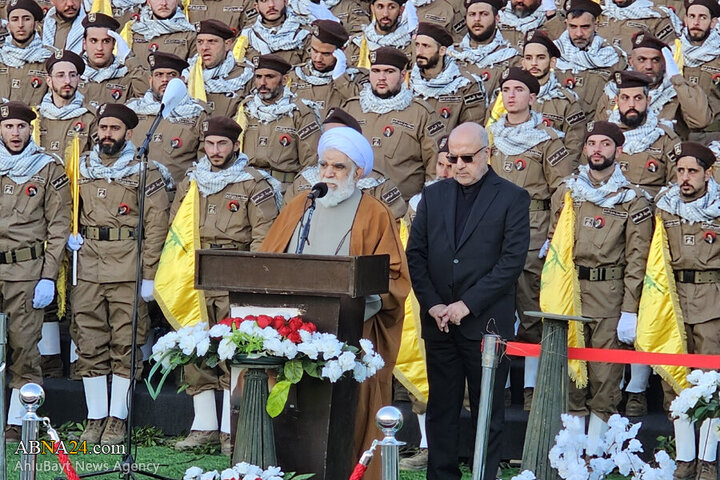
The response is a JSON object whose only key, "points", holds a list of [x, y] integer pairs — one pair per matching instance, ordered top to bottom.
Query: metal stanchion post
{"points": [[491, 347], [32, 397], [3, 408], [389, 420]]}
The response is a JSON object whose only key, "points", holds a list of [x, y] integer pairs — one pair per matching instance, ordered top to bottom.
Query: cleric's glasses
{"points": [[465, 158]]}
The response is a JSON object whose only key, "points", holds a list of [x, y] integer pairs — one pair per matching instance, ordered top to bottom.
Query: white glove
{"points": [[549, 6], [340, 65], [671, 68], [74, 242], [544, 249], [146, 290], [44, 293], [627, 327]]}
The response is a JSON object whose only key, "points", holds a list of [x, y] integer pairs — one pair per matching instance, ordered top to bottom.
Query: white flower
{"points": [[251, 328], [219, 331], [269, 333], [166, 342], [187, 344], [328, 345], [366, 345], [203, 346], [274, 346], [307, 347], [226, 349], [289, 349], [347, 361], [374, 362], [332, 371], [360, 372], [244, 468], [192, 473], [272, 473], [228, 474], [212, 475], [524, 475]]}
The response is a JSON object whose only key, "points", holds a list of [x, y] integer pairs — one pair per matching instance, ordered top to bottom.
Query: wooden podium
{"points": [[314, 434]]}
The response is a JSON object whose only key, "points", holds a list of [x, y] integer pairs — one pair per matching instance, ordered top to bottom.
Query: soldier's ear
{"points": [[714, 22], [553, 62], [128, 134], [236, 147], [618, 151]]}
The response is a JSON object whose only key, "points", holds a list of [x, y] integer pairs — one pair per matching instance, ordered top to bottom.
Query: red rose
{"points": [[250, 318], [226, 321], [237, 321], [264, 321], [278, 321], [295, 323], [310, 327], [284, 330], [294, 337]]}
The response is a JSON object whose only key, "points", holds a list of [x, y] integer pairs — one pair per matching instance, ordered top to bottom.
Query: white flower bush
{"points": [[701, 401], [244, 471]]}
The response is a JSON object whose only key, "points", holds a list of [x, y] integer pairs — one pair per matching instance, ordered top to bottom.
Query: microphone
{"points": [[174, 93], [319, 190]]}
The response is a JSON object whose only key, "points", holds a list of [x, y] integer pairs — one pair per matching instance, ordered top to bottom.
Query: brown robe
{"points": [[374, 232]]}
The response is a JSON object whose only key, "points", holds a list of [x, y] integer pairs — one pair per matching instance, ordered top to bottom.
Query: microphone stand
{"points": [[305, 228], [128, 467]]}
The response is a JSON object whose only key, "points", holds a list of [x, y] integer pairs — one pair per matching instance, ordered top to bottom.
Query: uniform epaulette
{"points": [[424, 104], [255, 173]]}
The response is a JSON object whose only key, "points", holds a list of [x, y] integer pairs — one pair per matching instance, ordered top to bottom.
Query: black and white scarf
{"points": [[640, 9], [525, 24], [150, 27], [289, 35], [75, 36], [399, 38], [497, 51], [697, 55], [13, 56], [576, 60], [116, 69], [313, 77], [216, 79], [449, 81], [552, 89], [659, 96], [369, 102], [148, 105], [284, 106], [73, 109], [517, 139], [638, 139], [22, 166], [92, 167], [607, 195], [704, 209]]}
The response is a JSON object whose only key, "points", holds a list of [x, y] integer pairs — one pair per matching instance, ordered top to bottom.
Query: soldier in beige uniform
{"points": [[230, 12], [353, 14], [447, 14], [519, 17], [621, 18], [62, 27], [388, 29], [276, 30], [700, 47], [483, 51], [22, 56], [586, 59], [106, 78], [325, 78], [226, 81], [457, 96], [672, 97], [559, 106], [63, 111], [402, 130], [282, 132], [176, 142], [531, 155], [647, 159], [237, 206], [690, 212], [34, 222], [613, 229], [107, 252]]}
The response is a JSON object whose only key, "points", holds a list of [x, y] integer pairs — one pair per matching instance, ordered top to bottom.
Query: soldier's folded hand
{"points": [[74, 242], [544, 249], [146, 290], [44, 293], [627, 326]]}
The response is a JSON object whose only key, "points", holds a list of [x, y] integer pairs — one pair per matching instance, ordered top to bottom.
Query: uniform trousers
{"points": [[527, 298], [24, 329]]}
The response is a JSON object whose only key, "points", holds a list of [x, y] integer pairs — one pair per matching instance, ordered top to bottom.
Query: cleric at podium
{"points": [[350, 222]]}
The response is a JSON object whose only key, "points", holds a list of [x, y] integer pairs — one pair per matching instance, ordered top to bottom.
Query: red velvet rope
{"points": [[67, 465], [358, 472]]}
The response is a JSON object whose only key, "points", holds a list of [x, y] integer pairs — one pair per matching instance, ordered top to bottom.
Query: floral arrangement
{"points": [[296, 345], [701, 401], [619, 449], [244, 471]]}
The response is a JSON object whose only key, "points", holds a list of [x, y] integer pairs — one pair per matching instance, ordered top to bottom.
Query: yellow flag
{"points": [[102, 6], [185, 7], [127, 34], [240, 48], [364, 55], [678, 55], [196, 83], [497, 111], [241, 119], [35, 124], [72, 168], [560, 288], [175, 291], [660, 325], [410, 364]]}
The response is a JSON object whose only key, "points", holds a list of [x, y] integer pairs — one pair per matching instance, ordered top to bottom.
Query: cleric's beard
{"points": [[338, 195]]}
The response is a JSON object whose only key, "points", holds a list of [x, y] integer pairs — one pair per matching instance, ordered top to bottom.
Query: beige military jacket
{"points": [[230, 12], [353, 14], [445, 14], [553, 26], [62, 30], [620, 32], [181, 44], [352, 51], [295, 56], [490, 75], [707, 78], [23, 84], [115, 90], [332, 94], [226, 104], [565, 114], [55, 135], [404, 142], [174, 144], [283, 147], [540, 171], [376, 184], [114, 204], [35, 212], [237, 217], [617, 236]]}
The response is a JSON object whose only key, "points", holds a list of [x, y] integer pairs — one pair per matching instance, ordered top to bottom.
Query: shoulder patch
{"points": [[665, 31], [473, 98], [575, 118], [435, 128], [308, 130], [558, 156], [60, 182], [154, 187], [263, 196], [390, 196], [614, 213], [641, 215], [671, 223]]}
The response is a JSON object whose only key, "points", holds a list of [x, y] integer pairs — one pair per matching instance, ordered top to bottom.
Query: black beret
{"points": [[496, 4], [29, 5], [711, 5], [593, 8], [100, 20], [215, 27], [330, 31], [436, 32], [541, 37], [643, 39], [65, 56], [389, 56], [166, 60], [273, 62], [522, 76], [630, 79], [16, 111], [119, 111], [338, 115], [222, 126], [608, 129], [443, 144], [696, 150]]}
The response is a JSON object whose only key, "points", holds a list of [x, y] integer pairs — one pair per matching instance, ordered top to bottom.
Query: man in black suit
{"points": [[467, 247]]}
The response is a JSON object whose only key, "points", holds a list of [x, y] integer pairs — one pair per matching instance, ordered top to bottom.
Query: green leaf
{"points": [[311, 368], [293, 371], [278, 398], [304, 476]]}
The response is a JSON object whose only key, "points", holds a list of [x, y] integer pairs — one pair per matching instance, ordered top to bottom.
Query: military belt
{"points": [[283, 177], [537, 205], [105, 234], [218, 246], [22, 254], [600, 274], [697, 276]]}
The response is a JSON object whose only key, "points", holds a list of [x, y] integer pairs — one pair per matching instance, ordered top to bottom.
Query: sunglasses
{"points": [[465, 158]]}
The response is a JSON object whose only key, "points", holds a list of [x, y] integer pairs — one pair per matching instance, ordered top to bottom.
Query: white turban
{"points": [[350, 142]]}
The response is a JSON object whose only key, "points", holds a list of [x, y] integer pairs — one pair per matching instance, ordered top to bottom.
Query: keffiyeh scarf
{"points": [[640, 9], [525, 24], [150, 27], [75, 36], [288, 36], [400, 38], [498, 50], [696, 55], [13, 56], [576, 60], [116, 69], [314, 77], [216, 79], [450, 80], [551, 89], [659, 96], [371, 103], [148, 105], [285, 106], [73, 109], [517, 139], [639, 139], [22, 166], [93, 167], [210, 182], [608, 195], [704, 209]]}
